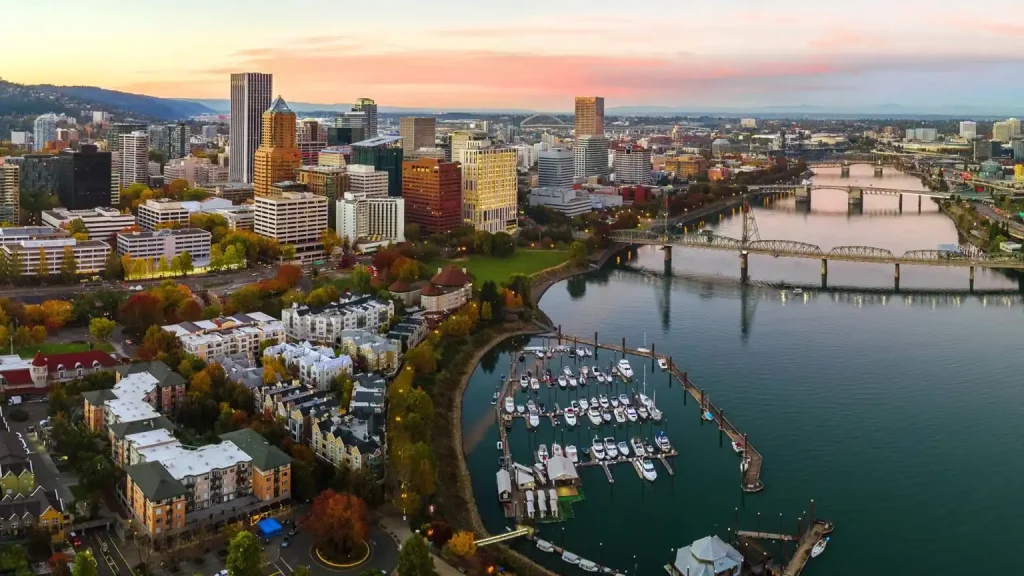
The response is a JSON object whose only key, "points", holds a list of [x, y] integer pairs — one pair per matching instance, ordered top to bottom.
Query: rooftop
{"points": [[378, 141], [264, 456], [155, 481]]}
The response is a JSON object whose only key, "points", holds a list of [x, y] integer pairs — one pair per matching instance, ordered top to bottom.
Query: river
{"points": [[891, 411]]}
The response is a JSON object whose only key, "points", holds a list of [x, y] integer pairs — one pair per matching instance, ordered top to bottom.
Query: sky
{"points": [[535, 54]]}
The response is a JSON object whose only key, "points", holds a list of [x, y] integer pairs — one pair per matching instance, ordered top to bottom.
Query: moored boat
{"points": [[662, 363], [625, 369], [567, 371], [584, 372], [600, 378], [562, 381], [573, 382], [534, 384], [494, 398], [624, 400], [603, 401], [584, 404], [510, 405], [531, 405], [520, 409], [641, 411], [631, 414], [594, 415], [620, 415], [570, 416], [606, 416], [708, 416], [534, 419], [661, 439], [638, 446], [737, 447], [597, 448], [556, 449], [610, 449], [623, 449], [542, 453], [572, 454], [645, 469], [545, 546], [819, 547], [570, 558], [588, 566]]}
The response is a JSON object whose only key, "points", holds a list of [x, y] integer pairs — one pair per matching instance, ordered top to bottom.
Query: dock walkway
{"points": [[751, 477], [815, 532]]}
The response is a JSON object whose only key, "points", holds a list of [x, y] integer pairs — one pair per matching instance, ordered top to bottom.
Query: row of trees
{"points": [[13, 268]]}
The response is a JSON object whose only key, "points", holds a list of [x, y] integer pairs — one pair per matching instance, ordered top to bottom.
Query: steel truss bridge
{"points": [[865, 190], [794, 249]]}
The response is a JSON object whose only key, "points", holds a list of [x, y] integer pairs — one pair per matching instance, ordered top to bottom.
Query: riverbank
{"points": [[965, 218]]}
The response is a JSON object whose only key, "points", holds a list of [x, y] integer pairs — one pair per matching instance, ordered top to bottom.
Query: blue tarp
{"points": [[268, 527]]}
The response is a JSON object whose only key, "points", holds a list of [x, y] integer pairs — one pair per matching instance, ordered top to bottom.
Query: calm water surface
{"points": [[897, 414]]}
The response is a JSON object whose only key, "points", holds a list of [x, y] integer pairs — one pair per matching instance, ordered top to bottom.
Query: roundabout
{"points": [[378, 552], [362, 554]]}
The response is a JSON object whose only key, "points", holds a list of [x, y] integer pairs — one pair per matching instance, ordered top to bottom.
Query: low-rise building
{"points": [[566, 200], [161, 211], [239, 217], [100, 223], [167, 244], [90, 255], [448, 290], [324, 325], [409, 332], [213, 339], [379, 353], [316, 365], [22, 376], [346, 441], [17, 476], [40, 509], [709, 556]]}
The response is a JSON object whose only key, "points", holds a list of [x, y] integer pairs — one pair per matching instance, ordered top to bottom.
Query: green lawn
{"points": [[499, 270], [59, 348]]}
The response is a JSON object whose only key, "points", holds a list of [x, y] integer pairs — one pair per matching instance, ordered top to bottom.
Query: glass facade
{"points": [[385, 158], [85, 179]]}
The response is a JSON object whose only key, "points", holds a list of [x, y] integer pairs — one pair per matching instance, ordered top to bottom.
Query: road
{"points": [[989, 212]]}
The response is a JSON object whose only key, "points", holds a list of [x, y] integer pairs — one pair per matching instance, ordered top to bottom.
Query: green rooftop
{"points": [[97, 397], [122, 429], [264, 456], [155, 481]]}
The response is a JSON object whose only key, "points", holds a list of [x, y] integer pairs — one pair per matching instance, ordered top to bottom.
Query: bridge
{"points": [[751, 243], [512, 534]]}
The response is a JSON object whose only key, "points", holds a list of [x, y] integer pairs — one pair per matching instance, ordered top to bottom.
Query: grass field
{"points": [[527, 262], [60, 348]]}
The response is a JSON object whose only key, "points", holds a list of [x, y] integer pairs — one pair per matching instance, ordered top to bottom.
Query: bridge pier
{"points": [[844, 171], [878, 171], [855, 195], [803, 196], [901, 202], [919, 203], [668, 259], [744, 272], [824, 273], [896, 277], [972, 279]]}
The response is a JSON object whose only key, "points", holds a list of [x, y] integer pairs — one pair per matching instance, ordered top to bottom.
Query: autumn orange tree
{"points": [[337, 522]]}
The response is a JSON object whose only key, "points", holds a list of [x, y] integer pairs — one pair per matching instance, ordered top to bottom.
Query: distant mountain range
{"points": [[27, 100]]}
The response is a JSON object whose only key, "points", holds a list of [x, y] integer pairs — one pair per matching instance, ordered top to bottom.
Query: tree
{"points": [[77, 226], [413, 232], [329, 238], [288, 252], [578, 253], [186, 263], [68, 266], [5, 268], [16, 268], [43, 269], [114, 270], [361, 279], [101, 328], [38, 334], [158, 344], [422, 358], [342, 385], [337, 522], [463, 544], [244, 555], [415, 559], [85, 564]]}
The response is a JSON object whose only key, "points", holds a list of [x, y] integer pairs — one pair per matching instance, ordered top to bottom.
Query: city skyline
{"points": [[659, 53]]}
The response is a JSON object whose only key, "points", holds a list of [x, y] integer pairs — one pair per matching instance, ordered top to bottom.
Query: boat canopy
{"points": [[561, 469]]}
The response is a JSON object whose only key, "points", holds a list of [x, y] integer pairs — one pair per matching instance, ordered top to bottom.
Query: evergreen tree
{"points": [[415, 559]]}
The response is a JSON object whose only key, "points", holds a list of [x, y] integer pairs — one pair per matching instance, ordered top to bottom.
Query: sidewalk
{"points": [[401, 532]]}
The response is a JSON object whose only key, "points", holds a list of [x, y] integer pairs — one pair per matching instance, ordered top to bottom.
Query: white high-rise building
{"points": [[250, 98], [748, 122], [1014, 124], [44, 130], [968, 130], [1001, 131], [590, 156], [134, 158], [632, 165], [555, 167], [367, 182], [489, 187], [296, 218], [378, 220]]}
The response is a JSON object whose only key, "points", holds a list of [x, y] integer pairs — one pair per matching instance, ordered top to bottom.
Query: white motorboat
{"points": [[801, 291], [580, 352], [588, 352], [548, 354], [662, 363], [625, 369], [594, 370], [567, 371], [584, 372], [600, 378], [524, 381], [562, 381], [573, 382], [534, 384], [494, 398], [623, 400], [643, 400], [603, 401], [614, 401], [593, 402], [584, 404], [510, 405], [531, 405], [575, 406], [520, 409], [641, 411], [631, 414], [656, 414], [594, 415], [620, 415], [570, 416], [606, 416], [534, 419], [662, 441], [500, 446], [638, 446], [737, 447], [556, 449], [597, 449], [610, 449], [623, 449], [542, 453], [571, 453], [744, 464], [645, 469], [545, 546], [819, 547], [570, 558], [588, 566]]}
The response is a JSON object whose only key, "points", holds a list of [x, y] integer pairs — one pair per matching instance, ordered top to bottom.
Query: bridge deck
{"points": [[751, 479], [766, 535]]}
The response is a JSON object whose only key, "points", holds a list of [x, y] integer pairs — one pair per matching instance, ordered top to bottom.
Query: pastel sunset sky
{"points": [[534, 54]]}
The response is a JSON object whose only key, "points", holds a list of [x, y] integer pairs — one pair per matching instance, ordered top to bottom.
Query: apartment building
{"points": [[134, 156], [632, 165], [367, 182], [489, 187], [432, 190], [10, 193], [155, 212], [296, 218], [370, 222], [100, 223], [167, 244], [90, 255], [325, 325], [213, 339], [379, 353], [317, 365], [152, 383], [346, 441], [40, 509]]}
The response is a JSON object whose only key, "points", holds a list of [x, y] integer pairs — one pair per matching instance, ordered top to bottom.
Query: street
{"points": [[989, 212]]}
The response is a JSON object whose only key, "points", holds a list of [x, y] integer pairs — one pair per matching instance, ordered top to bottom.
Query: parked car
{"points": [[76, 540], [284, 542]]}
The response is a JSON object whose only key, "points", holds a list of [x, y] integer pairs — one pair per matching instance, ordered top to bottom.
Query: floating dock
{"points": [[560, 551]]}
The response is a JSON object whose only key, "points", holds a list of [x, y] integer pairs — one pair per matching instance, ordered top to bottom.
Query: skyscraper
{"points": [[250, 97], [370, 107], [589, 116], [118, 129], [44, 130], [968, 130], [1001, 131], [417, 133], [311, 138], [171, 140], [459, 140], [383, 153], [590, 156], [278, 157], [134, 158], [632, 165], [555, 167], [85, 181], [489, 187], [10, 193], [433, 195]]}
